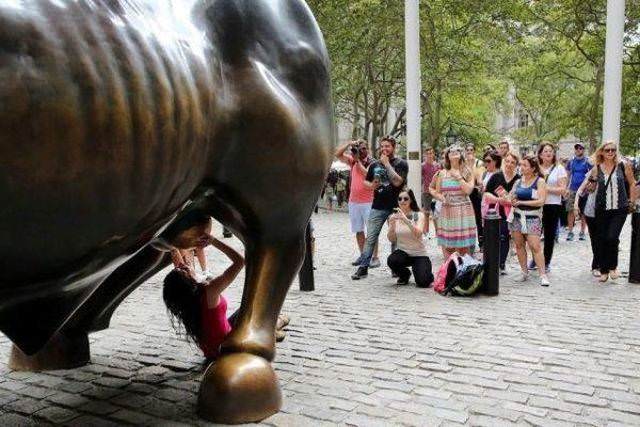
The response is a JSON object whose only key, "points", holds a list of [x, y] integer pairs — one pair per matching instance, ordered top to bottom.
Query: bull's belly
{"points": [[102, 131]]}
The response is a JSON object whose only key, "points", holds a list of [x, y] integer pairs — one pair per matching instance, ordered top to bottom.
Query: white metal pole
{"points": [[412, 62], [613, 71]]}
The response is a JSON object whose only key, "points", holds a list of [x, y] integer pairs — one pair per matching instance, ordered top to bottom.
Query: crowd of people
{"points": [[534, 195]]}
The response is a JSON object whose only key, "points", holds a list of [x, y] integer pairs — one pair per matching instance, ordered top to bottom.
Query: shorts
{"points": [[571, 199], [428, 203], [359, 215], [534, 225]]}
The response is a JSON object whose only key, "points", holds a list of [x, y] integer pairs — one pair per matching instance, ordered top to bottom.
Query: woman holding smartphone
{"points": [[496, 192], [405, 231]]}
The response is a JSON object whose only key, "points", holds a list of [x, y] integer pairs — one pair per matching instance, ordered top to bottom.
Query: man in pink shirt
{"points": [[356, 155], [429, 168]]}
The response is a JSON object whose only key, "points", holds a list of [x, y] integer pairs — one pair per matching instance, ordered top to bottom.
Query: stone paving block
{"points": [[75, 386], [35, 392], [69, 400], [25, 406], [525, 409], [494, 411], [57, 415], [135, 418], [17, 420], [289, 420], [91, 421], [487, 421], [543, 422]]}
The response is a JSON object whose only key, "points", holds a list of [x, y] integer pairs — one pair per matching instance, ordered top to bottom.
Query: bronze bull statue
{"points": [[117, 116]]}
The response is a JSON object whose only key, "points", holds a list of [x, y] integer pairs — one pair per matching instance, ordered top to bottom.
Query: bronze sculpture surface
{"points": [[116, 116]]}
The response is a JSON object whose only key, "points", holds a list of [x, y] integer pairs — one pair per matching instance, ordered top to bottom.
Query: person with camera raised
{"points": [[356, 155], [386, 178]]}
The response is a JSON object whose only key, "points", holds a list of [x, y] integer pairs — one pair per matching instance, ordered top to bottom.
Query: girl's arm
{"points": [[467, 186], [434, 187], [559, 189], [418, 228], [391, 233], [219, 284]]}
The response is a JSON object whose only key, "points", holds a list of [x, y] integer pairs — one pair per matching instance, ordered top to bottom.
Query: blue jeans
{"points": [[375, 222]]}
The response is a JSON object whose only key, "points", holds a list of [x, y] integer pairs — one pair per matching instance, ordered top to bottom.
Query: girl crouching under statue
{"points": [[197, 306]]}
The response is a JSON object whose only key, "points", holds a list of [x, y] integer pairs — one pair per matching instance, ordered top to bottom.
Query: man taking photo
{"points": [[356, 155], [577, 169], [386, 178]]}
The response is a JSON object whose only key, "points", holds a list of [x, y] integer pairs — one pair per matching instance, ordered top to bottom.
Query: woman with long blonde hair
{"points": [[615, 197]]}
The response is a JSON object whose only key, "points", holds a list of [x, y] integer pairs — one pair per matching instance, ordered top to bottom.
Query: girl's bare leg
{"points": [[521, 250], [538, 255]]}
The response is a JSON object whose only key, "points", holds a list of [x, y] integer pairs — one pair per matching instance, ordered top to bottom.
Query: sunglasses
{"points": [[610, 150], [488, 160], [404, 199]]}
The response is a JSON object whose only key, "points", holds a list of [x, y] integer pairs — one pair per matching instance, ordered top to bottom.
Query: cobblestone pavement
{"points": [[370, 353]]}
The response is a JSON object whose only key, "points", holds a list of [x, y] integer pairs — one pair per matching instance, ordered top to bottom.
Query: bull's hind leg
{"points": [[241, 386]]}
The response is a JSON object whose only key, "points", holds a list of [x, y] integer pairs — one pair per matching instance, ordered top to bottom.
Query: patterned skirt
{"points": [[457, 225]]}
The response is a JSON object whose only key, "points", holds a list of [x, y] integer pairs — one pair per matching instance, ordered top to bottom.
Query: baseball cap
{"points": [[578, 145]]}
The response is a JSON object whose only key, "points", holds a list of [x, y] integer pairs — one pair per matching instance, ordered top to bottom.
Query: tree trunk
{"points": [[592, 130]]}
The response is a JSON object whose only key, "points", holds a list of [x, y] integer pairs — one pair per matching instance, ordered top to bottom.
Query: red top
{"points": [[428, 172], [359, 193], [215, 326]]}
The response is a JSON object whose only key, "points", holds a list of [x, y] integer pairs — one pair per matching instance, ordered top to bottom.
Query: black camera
{"points": [[354, 149]]}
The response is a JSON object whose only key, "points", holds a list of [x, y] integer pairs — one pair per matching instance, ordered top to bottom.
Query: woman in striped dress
{"points": [[456, 222]]}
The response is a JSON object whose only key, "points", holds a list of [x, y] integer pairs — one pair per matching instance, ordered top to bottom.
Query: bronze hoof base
{"points": [[61, 352], [239, 388]]}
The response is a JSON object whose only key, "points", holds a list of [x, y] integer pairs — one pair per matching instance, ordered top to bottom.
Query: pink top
{"points": [[428, 172], [359, 193], [215, 326]]}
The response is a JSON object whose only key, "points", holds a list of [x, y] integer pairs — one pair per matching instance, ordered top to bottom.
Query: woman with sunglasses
{"points": [[496, 192], [615, 197], [456, 223], [405, 231]]}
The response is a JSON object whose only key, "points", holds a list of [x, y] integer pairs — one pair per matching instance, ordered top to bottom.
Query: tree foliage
{"points": [[549, 54]]}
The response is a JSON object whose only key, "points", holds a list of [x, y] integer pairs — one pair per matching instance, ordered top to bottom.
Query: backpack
{"points": [[446, 273], [459, 276], [468, 280]]}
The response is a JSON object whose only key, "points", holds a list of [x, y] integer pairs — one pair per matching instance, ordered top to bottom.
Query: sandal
{"points": [[604, 278], [283, 320]]}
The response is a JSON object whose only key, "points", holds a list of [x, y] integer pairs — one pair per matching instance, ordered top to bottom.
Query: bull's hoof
{"points": [[61, 352], [239, 388]]}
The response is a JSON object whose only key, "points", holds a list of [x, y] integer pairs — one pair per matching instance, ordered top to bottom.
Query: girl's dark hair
{"points": [[542, 146], [495, 156], [533, 162], [413, 204], [182, 296]]}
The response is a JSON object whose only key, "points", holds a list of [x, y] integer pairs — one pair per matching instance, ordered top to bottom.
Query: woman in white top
{"points": [[556, 179], [405, 230]]}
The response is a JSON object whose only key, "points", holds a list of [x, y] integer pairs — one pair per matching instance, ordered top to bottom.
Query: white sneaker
{"points": [[523, 277], [544, 281]]}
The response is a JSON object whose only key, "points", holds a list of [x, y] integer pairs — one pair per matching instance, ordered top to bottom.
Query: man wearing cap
{"points": [[577, 169]]}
